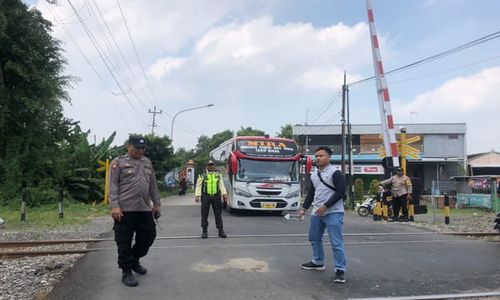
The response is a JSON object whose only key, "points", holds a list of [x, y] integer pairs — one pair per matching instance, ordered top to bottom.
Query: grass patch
{"points": [[462, 212], [47, 216]]}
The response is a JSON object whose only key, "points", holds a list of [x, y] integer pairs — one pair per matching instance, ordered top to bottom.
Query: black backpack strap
{"points": [[323, 182]]}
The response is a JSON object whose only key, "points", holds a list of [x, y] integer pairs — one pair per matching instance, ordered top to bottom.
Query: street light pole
{"points": [[179, 112]]}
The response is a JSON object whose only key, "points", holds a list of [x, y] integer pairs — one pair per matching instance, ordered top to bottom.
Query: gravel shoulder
{"points": [[34, 277]]}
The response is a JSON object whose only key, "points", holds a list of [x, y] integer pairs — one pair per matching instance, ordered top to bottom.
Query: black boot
{"points": [[204, 233], [222, 234], [139, 269], [128, 278]]}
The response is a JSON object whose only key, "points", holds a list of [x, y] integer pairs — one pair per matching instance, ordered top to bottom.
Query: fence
{"points": [[471, 193]]}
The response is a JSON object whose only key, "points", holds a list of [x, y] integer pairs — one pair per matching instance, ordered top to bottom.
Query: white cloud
{"points": [[313, 57], [164, 66], [463, 95], [473, 99]]}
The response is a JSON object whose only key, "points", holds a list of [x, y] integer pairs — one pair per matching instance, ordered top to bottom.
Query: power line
{"points": [[57, 19], [110, 32], [72, 39], [135, 50], [100, 53], [437, 56], [447, 70], [325, 108]]}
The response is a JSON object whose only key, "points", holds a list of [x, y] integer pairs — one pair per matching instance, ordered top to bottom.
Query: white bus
{"points": [[261, 173]]}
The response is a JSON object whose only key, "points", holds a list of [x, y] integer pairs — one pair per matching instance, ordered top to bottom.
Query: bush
{"points": [[358, 190], [373, 190], [38, 196]]}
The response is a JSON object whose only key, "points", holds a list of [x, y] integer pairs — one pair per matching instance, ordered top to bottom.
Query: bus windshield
{"points": [[267, 171]]}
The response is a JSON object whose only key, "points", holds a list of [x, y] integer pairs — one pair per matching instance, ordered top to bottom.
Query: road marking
{"points": [[442, 296]]}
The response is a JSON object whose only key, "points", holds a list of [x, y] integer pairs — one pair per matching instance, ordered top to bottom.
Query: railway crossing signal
{"points": [[404, 149]]}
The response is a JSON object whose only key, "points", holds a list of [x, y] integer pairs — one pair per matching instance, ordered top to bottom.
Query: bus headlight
{"points": [[242, 193], [293, 194]]}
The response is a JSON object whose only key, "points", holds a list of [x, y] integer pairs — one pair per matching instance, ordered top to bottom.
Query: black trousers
{"points": [[216, 203], [400, 203], [143, 225]]}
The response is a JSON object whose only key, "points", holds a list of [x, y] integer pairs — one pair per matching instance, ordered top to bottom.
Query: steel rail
{"points": [[33, 243], [16, 254]]}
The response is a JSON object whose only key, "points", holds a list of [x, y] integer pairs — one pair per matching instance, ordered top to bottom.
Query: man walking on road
{"points": [[209, 189], [401, 192], [326, 193], [134, 199]]}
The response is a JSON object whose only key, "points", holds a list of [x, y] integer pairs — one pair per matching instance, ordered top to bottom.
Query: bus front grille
{"points": [[269, 193]]}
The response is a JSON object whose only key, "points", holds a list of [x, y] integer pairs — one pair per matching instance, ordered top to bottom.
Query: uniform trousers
{"points": [[216, 203], [400, 203], [143, 225]]}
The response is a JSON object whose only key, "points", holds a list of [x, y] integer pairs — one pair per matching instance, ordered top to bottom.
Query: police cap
{"points": [[137, 141], [210, 163]]}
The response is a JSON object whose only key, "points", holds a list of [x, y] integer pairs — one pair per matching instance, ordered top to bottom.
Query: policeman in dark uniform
{"points": [[209, 189], [134, 199]]}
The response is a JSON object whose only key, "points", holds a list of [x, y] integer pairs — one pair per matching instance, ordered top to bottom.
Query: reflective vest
{"points": [[211, 184]]}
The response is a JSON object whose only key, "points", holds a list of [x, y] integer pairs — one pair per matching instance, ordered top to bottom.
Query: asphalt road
{"points": [[261, 258]]}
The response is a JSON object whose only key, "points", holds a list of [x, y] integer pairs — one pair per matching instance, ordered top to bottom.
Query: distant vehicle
{"points": [[261, 173]]}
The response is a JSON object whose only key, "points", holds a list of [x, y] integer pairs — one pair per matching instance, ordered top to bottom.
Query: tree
{"points": [[32, 87], [249, 131], [286, 132], [206, 144], [161, 153]]}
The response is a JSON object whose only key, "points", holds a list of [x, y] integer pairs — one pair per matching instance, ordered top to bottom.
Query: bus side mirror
{"points": [[234, 164], [309, 164]]}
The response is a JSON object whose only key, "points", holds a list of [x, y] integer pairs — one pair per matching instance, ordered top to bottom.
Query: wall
{"points": [[444, 145]]}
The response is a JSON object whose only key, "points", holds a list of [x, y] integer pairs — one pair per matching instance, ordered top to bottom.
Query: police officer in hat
{"points": [[401, 188], [209, 189], [134, 199]]}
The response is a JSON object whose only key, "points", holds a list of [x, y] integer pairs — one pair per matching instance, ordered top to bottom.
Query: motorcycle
{"points": [[182, 187], [366, 207]]}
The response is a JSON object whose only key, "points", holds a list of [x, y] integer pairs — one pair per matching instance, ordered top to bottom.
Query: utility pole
{"points": [[153, 125], [307, 136], [342, 148], [351, 164]]}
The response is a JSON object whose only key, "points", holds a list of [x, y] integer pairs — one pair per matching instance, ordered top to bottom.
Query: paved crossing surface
{"points": [[261, 258]]}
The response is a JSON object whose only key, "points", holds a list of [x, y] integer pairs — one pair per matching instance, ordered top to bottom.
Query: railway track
{"points": [[30, 248]]}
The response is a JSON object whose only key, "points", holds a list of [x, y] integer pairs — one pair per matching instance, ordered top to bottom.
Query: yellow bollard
{"points": [[446, 209], [377, 211], [385, 211], [411, 211]]}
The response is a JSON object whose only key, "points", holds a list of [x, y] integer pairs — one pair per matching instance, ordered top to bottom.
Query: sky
{"points": [[267, 63]]}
